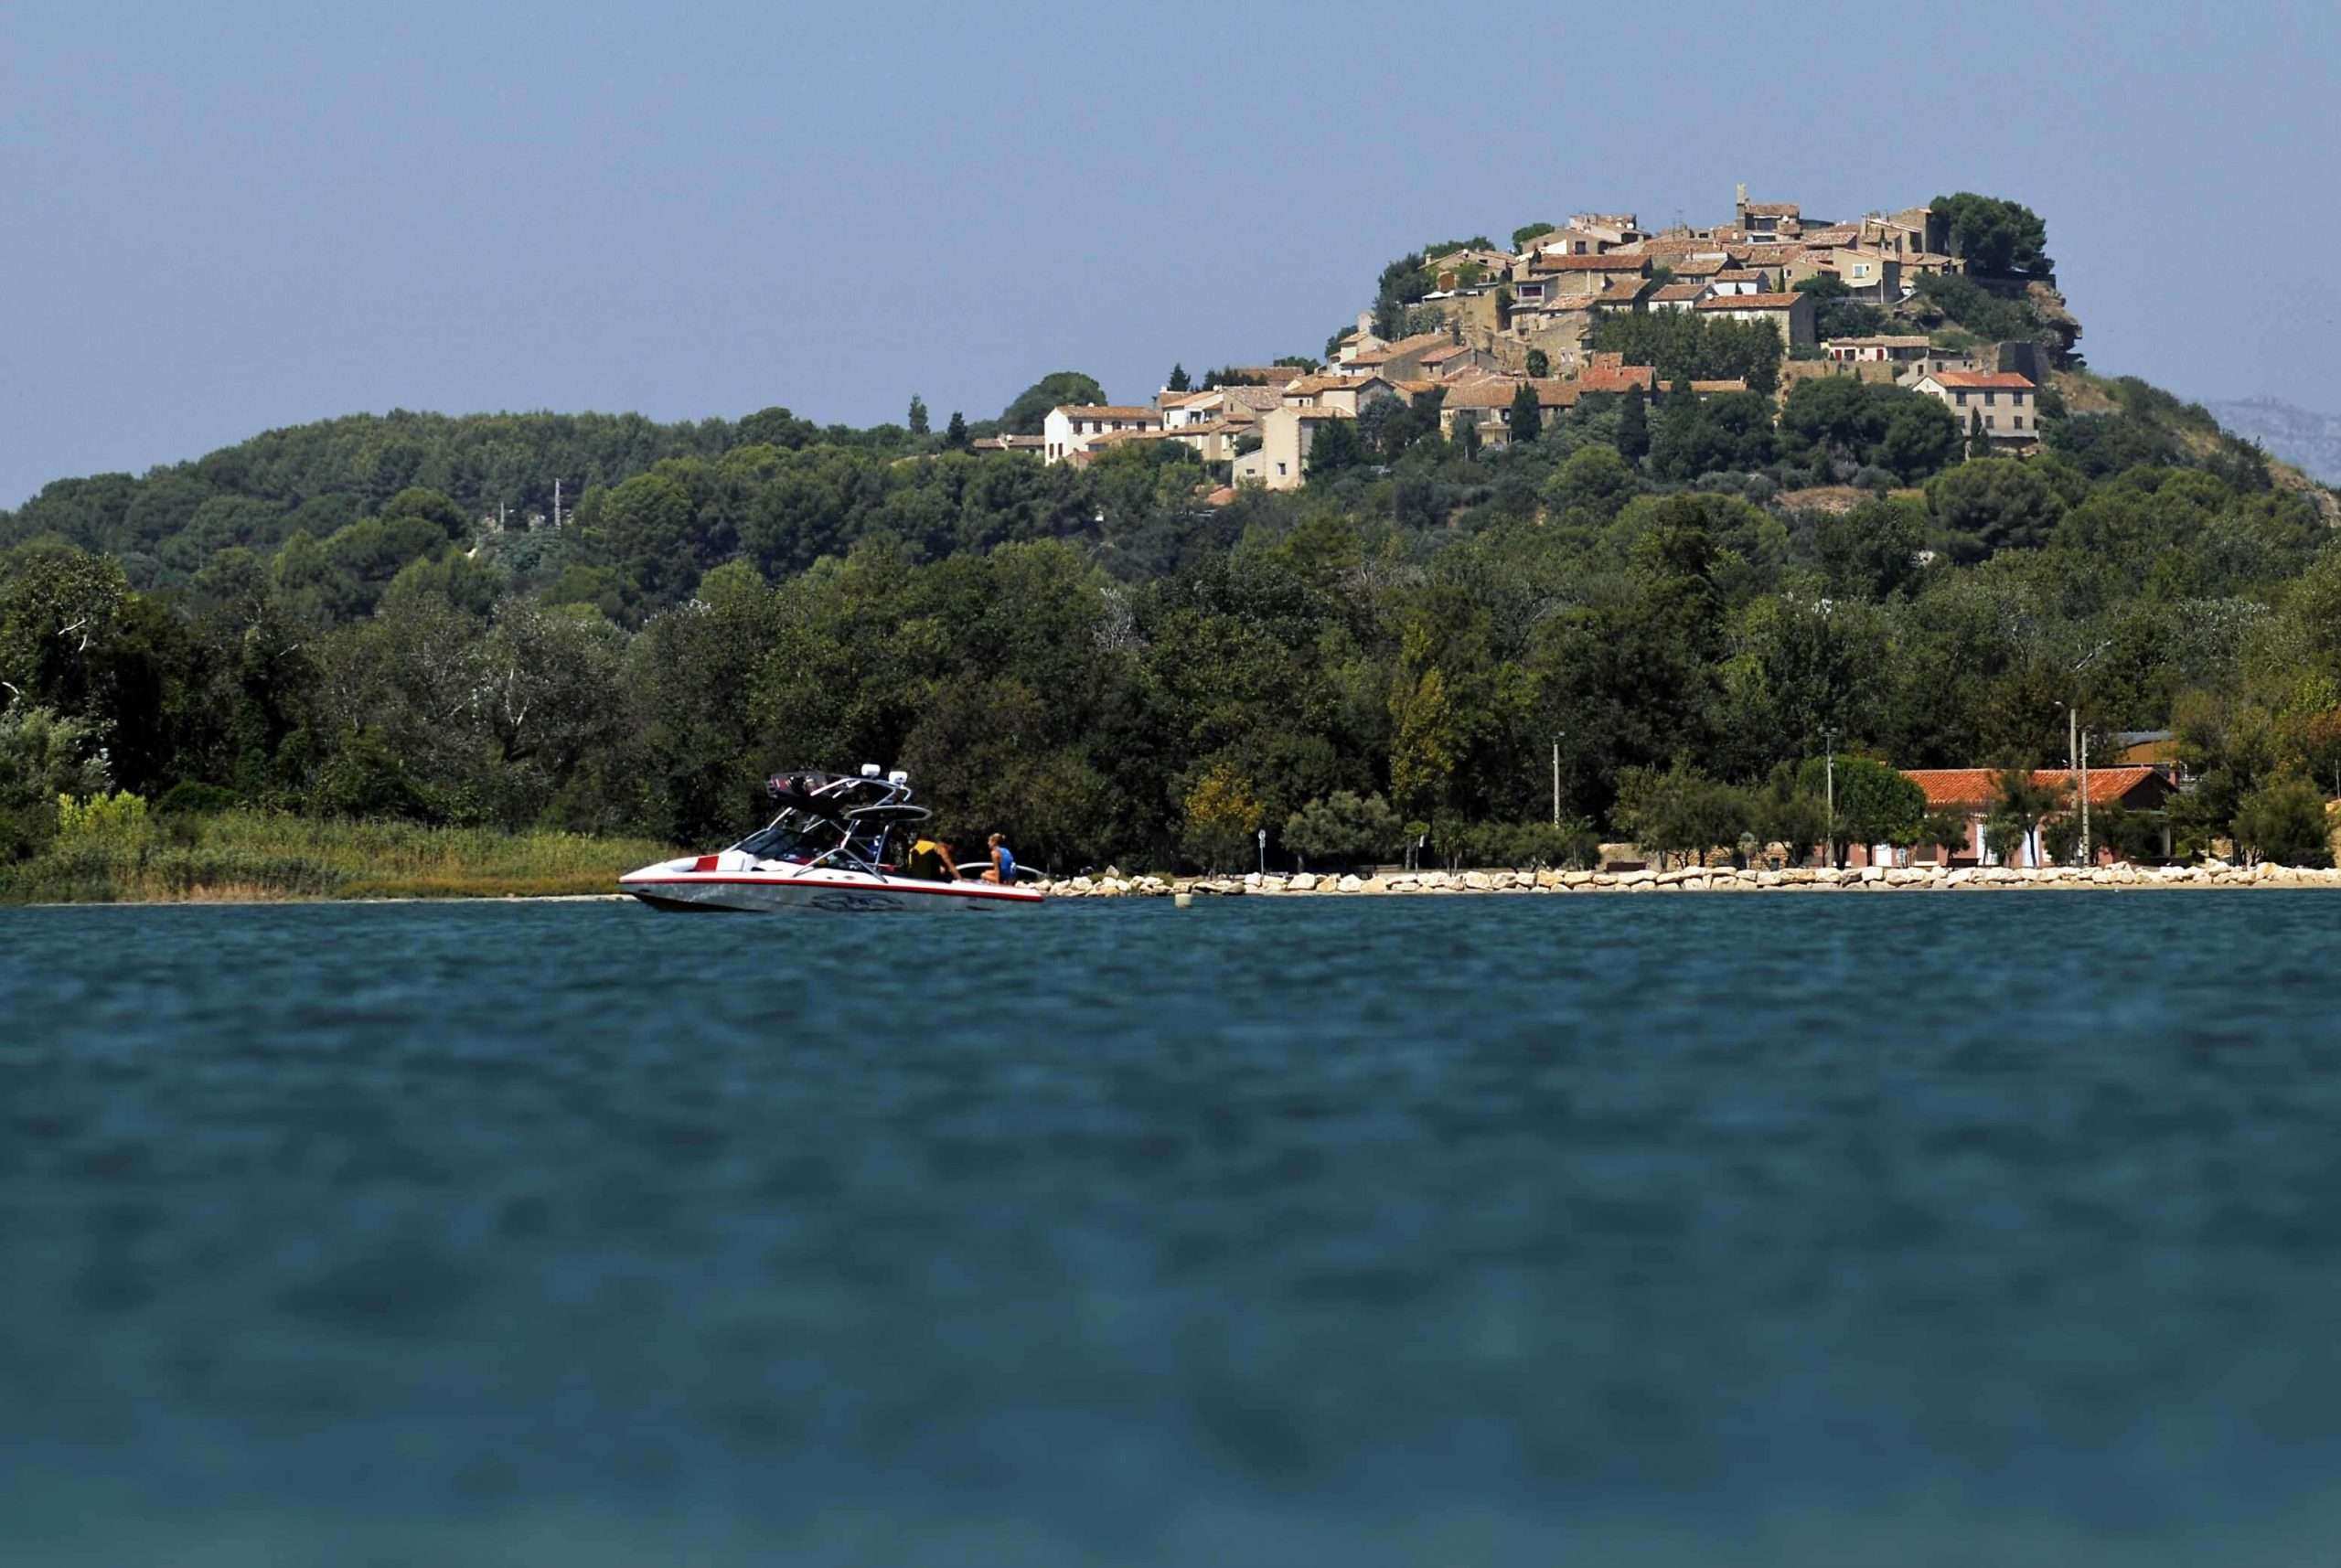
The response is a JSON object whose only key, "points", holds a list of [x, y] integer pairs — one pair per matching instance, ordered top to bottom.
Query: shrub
{"points": [[2283, 821], [115, 822]]}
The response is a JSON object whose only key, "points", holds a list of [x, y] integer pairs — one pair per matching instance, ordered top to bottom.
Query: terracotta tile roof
{"points": [[1773, 209], [1841, 234], [1674, 247], [1588, 264], [1700, 266], [1741, 275], [1680, 291], [1619, 293], [1749, 302], [1919, 341], [1420, 342], [1441, 356], [1617, 378], [1984, 380], [1736, 384], [1310, 386], [1415, 387], [1498, 391], [1257, 398], [1103, 411], [1306, 414], [1973, 786]]}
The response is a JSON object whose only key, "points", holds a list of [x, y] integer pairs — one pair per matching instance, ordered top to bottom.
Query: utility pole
{"points": [[2073, 770], [1829, 787], [2086, 860]]}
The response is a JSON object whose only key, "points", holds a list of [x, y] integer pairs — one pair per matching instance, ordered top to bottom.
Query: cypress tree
{"points": [[1177, 381], [918, 415], [1526, 420], [1633, 427], [955, 434], [1978, 443]]}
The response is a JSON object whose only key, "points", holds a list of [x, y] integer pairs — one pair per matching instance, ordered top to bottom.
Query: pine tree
{"points": [[1177, 381], [918, 415], [1526, 420], [1633, 427], [955, 434]]}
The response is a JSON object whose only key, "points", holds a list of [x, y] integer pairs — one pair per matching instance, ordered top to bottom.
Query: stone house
{"points": [[1764, 217], [1608, 230], [1578, 274], [1868, 274], [1742, 281], [1676, 296], [1792, 314], [1886, 350], [1402, 359], [1455, 359], [1348, 394], [2003, 399], [1485, 402], [1071, 427], [1287, 433], [1032, 445], [1970, 793]]}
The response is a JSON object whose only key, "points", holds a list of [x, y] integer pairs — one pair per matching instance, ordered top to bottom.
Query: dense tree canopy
{"points": [[1997, 236], [329, 619]]}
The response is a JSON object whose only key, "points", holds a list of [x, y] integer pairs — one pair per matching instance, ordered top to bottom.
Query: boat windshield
{"points": [[778, 842]]}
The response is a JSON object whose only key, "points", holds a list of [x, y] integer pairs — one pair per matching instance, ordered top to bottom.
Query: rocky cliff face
{"points": [[2309, 441]]}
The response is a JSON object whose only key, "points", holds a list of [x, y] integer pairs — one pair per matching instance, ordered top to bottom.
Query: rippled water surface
{"points": [[1928, 1228]]}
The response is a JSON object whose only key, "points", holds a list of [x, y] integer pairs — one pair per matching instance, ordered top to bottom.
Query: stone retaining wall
{"points": [[1873, 879]]}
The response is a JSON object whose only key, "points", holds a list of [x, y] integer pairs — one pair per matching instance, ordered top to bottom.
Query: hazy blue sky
{"points": [[222, 218]]}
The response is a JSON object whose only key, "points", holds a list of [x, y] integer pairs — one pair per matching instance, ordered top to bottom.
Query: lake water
{"points": [[1912, 1229]]}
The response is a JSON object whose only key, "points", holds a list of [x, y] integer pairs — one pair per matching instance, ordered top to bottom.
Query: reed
{"points": [[253, 855]]}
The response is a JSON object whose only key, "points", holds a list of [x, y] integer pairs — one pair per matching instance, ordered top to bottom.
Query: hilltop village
{"points": [[1487, 334], [1604, 544]]}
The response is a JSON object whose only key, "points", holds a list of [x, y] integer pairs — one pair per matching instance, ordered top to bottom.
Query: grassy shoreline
{"points": [[251, 856]]}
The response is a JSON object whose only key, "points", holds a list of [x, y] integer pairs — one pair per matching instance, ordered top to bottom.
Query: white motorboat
{"points": [[827, 851]]}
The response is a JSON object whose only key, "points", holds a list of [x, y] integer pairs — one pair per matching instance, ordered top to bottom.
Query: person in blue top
{"points": [[1003, 860]]}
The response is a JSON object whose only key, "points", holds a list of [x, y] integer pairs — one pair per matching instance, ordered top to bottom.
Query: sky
{"points": [[219, 220]]}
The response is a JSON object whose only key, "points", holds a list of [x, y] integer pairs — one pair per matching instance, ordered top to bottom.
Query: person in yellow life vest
{"points": [[931, 861]]}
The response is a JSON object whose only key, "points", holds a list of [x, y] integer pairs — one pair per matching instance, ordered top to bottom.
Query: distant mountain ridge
{"points": [[2309, 441]]}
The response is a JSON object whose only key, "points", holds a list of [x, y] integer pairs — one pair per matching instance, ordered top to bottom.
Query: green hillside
{"points": [[1109, 667]]}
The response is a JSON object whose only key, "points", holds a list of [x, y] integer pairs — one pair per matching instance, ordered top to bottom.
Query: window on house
{"points": [[1990, 399], [1990, 421], [1280, 471]]}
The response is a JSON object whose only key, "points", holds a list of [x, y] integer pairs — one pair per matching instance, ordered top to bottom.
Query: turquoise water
{"points": [[1923, 1228]]}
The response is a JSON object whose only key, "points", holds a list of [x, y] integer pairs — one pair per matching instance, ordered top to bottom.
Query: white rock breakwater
{"points": [[1713, 878]]}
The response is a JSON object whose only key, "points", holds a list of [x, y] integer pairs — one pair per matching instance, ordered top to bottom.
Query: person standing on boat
{"points": [[931, 858], [1003, 860]]}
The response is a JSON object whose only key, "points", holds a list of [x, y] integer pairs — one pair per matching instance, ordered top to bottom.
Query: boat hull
{"points": [[816, 891]]}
